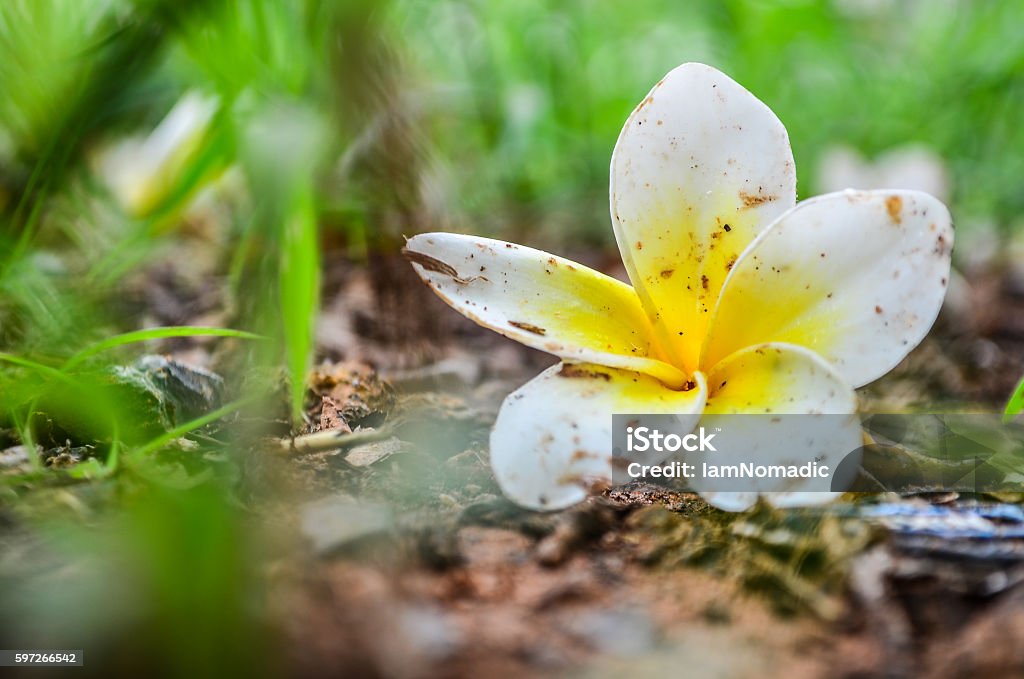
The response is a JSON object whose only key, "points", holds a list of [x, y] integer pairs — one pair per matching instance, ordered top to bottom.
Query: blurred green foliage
{"points": [[534, 92], [489, 117], [165, 587]]}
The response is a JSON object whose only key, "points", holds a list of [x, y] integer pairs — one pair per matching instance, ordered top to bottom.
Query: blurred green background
{"points": [[532, 94], [369, 120], [269, 141]]}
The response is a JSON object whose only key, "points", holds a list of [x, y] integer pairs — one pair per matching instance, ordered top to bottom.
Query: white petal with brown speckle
{"points": [[857, 276], [553, 438]]}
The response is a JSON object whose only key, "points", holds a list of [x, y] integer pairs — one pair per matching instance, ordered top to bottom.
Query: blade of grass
{"points": [[283, 149], [299, 283], [150, 334], [46, 370], [1015, 406], [179, 431], [28, 440], [114, 456]]}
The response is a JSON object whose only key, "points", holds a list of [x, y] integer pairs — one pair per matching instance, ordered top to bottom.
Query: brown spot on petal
{"points": [[753, 200], [894, 206], [430, 263], [437, 266], [667, 273], [528, 327], [574, 372]]}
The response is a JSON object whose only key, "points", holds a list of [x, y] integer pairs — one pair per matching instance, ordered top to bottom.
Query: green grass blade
{"points": [[299, 284], [150, 334], [45, 370], [1015, 406], [179, 431]]}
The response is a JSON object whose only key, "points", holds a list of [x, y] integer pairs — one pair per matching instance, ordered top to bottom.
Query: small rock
{"points": [[456, 372], [357, 393], [330, 416], [370, 453], [67, 456], [13, 458], [336, 522], [430, 631], [616, 632]]}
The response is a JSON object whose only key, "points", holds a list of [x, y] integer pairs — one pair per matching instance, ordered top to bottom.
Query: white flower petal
{"points": [[700, 168], [857, 276], [542, 300], [770, 381], [553, 437]]}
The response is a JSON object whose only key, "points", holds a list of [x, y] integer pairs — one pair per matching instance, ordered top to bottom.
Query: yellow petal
{"points": [[700, 168], [857, 276], [542, 300], [750, 394], [552, 440]]}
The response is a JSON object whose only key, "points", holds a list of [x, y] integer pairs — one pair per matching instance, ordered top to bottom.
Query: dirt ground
{"points": [[394, 555], [444, 578]]}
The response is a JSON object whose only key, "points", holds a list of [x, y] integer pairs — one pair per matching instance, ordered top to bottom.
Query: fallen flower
{"points": [[742, 301]]}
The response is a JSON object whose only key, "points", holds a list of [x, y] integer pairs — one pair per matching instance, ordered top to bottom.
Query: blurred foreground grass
{"points": [[249, 137]]}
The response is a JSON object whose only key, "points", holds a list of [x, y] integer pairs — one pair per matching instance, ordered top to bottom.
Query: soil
{"points": [[396, 556], [462, 583]]}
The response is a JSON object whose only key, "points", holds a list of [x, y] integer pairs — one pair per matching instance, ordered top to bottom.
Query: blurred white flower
{"points": [[912, 167], [142, 171]]}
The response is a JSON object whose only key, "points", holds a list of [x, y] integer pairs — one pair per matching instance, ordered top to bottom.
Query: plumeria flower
{"points": [[741, 300]]}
